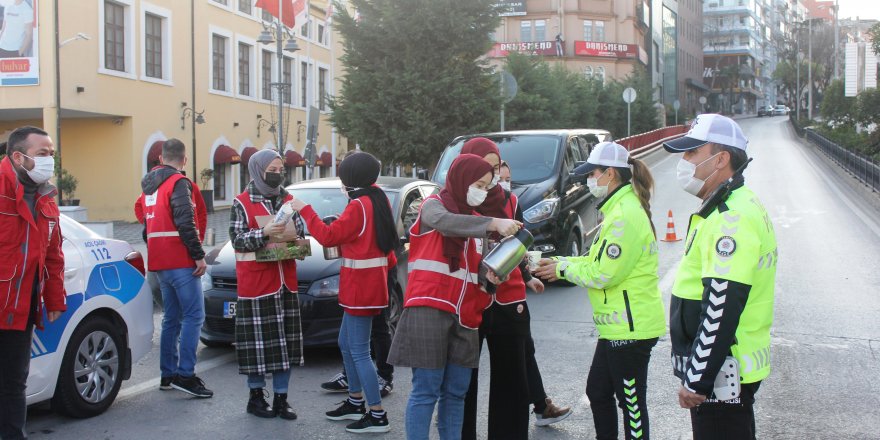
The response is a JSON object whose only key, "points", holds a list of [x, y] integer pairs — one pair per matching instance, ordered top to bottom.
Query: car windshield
{"points": [[532, 158], [329, 201], [71, 229]]}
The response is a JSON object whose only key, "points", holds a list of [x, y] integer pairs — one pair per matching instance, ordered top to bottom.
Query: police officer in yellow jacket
{"points": [[620, 274], [722, 299]]}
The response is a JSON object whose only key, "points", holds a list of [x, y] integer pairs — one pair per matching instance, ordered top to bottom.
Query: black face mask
{"points": [[274, 180]]}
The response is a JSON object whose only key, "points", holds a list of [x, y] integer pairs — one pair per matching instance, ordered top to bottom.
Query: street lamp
{"points": [[277, 33], [197, 117], [262, 122]]}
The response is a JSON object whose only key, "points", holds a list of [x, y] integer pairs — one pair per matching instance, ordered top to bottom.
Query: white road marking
{"points": [[153, 384]]}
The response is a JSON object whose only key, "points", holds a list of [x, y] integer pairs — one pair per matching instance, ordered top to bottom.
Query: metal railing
{"points": [[640, 142], [864, 168]]}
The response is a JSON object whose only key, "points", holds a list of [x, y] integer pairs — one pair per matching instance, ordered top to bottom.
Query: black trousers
{"points": [[505, 330], [380, 344], [15, 348], [620, 369], [537, 395], [731, 420]]}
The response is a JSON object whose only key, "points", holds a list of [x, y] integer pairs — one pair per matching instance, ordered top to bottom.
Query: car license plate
{"points": [[229, 309]]}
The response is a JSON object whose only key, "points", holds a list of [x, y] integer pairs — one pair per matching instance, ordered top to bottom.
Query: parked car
{"points": [[765, 110], [780, 110], [558, 210], [318, 278], [80, 360]]}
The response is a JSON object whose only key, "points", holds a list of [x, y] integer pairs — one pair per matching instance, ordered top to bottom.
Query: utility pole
{"points": [[810, 72]]}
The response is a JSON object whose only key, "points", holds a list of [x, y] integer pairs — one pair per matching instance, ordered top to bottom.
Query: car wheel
{"points": [[395, 309], [215, 344], [90, 378]]}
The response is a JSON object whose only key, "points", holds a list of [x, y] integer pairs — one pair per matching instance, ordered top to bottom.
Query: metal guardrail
{"points": [[640, 142], [863, 168]]}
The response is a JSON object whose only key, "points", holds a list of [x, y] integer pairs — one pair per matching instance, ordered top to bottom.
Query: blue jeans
{"points": [[184, 308], [354, 343], [280, 381], [448, 386]]}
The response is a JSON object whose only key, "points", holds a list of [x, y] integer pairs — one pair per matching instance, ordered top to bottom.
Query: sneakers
{"points": [[165, 383], [339, 384], [191, 385], [385, 387], [257, 404], [281, 408], [347, 411], [552, 414], [368, 423]]}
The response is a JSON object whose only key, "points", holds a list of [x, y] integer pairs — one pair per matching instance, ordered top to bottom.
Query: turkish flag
{"points": [[289, 9]]}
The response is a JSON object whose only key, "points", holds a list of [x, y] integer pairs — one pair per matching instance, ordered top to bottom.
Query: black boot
{"points": [[257, 404], [282, 408]]}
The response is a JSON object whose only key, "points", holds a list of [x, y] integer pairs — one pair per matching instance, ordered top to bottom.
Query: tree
{"points": [[875, 37], [413, 75], [836, 107]]}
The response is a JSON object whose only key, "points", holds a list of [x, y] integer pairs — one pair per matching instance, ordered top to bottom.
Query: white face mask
{"points": [[44, 168], [685, 173], [494, 182], [504, 185], [597, 191], [476, 196]]}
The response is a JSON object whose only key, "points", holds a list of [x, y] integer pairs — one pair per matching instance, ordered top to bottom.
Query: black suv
{"points": [[559, 211]]}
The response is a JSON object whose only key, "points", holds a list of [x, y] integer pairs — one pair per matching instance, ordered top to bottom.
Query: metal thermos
{"points": [[331, 253], [505, 257]]}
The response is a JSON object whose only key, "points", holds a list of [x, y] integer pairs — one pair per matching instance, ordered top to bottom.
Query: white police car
{"points": [[80, 360]]}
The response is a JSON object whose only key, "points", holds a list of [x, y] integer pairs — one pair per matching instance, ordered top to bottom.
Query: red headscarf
{"points": [[464, 171], [493, 206]]}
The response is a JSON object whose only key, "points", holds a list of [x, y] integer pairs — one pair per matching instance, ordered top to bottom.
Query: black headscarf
{"points": [[358, 173]]}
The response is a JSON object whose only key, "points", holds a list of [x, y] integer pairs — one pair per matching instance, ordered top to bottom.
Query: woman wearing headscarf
{"points": [[366, 234], [445, 296], [505, 326], [268, 334]]}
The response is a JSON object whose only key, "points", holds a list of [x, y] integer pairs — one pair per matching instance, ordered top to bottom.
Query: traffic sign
{"points": [[629, 95]]}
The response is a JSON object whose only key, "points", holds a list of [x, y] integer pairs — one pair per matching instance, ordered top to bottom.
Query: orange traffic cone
{"points": [[670, 230]]}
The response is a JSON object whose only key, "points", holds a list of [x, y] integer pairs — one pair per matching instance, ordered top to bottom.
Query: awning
{"points": [[697, 84], [153, 154], [225, 154], [246, 154], [292, 159], [325, 160]]}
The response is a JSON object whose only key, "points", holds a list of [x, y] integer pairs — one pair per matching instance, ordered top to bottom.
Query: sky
{"points": [[860, 8]]}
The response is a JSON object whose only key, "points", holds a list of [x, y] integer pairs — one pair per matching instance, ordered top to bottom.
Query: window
{"points": [[222, 2], [246, 7], [304, 30], [525, 30], [540, 30], [594, 30], [114, 36], [321, 36], [153, 45], [219, 62], [244, 69], [588, 72], [599, 74], [266, 77], [287, 78], [304, 83], [322, 89], [245, 177], [220, 181]]}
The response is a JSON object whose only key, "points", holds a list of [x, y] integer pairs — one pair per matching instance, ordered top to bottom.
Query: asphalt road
{"points": [[826, 336]]}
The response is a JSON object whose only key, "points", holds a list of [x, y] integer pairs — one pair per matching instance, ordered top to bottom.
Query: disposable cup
{"points": [[534, 258]]}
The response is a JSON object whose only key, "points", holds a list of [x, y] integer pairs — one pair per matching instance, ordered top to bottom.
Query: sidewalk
{"points": [[132, 232]]}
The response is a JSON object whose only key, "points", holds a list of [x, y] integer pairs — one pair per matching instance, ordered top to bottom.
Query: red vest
{"points": [[164, 247], [257, 279], [363, 279], [430, 283], [514, 289]]}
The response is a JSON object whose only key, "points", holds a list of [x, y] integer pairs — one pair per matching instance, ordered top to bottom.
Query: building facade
{"points": [[134, 73]]}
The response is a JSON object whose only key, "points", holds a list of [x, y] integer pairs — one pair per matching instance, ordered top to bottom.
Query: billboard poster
{"points": [[512, 8], [19, 43], [544, 48], [605, 50]]}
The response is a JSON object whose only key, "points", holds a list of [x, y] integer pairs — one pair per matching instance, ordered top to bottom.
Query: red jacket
{"points": [[200, 209], [41, 258], [257, 279], [363, 279], [430, 284], [514, 289]]}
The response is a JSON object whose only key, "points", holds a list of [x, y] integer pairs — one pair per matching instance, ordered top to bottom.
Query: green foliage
{"points": [[875, 37], [414, 78], [554, 97], [867, 105], [836, 107], [67, 183]]}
